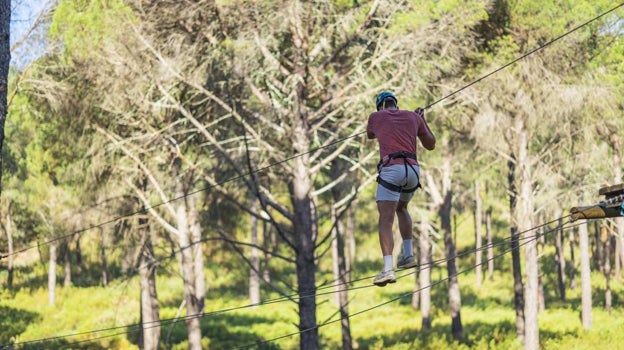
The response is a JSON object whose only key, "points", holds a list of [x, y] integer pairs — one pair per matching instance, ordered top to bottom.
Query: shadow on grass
{"points": [[35, 276], [29, 277], [13, 322], [219, 332], [222, 332], [477, 335], [439, 337], [63, 344]]}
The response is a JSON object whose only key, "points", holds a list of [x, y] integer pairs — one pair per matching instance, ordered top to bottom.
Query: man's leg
{"points": [[386, 210], [405, 220], [405, 227], [386, 241]]}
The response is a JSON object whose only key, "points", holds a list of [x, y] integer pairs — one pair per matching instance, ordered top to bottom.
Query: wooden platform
{"points": [[612, 191], [610, 207], [593, 212]]}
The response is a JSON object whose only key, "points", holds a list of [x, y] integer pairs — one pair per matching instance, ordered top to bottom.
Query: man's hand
{"points": [[420, 112]]}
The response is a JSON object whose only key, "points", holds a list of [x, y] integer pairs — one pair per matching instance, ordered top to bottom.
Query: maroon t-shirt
{"points": [[396, 130]]}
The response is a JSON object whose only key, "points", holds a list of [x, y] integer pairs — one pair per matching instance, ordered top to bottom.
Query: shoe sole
{"points": [[407, 266], [383, 283]]}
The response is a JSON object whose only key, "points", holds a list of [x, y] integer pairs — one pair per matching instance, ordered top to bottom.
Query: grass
{"points": [[487, 312], [487, 316]]}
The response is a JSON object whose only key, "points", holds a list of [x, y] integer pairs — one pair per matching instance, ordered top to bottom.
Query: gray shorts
{"points": [[395, 174]]}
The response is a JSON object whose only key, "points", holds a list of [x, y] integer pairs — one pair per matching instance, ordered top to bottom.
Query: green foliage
{"points": [[422, 13], [536, 21], [83, 25], [41, 158]]}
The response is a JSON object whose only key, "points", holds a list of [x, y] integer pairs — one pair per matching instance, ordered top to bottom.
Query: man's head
{"points": [[386, 99]]}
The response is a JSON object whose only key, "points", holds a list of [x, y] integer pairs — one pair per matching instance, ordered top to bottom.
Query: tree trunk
{"points": [[5, 58], [619, 221], [303, 224], [9, 233], [478, 235], [606, 236], [350, 237], [269, 243], [490, 243], [618, 249], [197, 250], [515, 250], [129, 254], [598, 254], [254, 255], [417, 256], [339, 258], [103, 259], [560, 260], [572, 260], [78, 263], [451, 263], [186, 266], [306, 266], [451, 267], [187, 269], [425, 274], [52, 275], [67, 277], [338, 278], [340, 282], [416, 294], [531, 296], [541, 298], [586, 298], [541, 305], [150, 317], [149, 335]]}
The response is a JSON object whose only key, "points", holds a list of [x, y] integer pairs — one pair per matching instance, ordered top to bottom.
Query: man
{"points": [[399, 175]]}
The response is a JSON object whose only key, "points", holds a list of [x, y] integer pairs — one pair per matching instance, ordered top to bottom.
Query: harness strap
{"points": [[393, 187]]}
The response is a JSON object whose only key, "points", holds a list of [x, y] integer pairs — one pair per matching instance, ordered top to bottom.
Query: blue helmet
{"points": [[382, 97]]}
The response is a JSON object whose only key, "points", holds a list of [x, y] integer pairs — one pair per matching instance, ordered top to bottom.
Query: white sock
{"points": [[407, 248], [387, 263]]}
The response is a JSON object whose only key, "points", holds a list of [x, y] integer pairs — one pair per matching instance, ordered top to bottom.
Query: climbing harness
{"points": [[392, 187]]}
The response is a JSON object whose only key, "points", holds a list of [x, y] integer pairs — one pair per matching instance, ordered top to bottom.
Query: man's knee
{"points": [[401, 207], [386, 208]]}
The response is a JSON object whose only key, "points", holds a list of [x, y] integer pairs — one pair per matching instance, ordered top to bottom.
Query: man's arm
{"points": [[369, 128], [427, 139]]}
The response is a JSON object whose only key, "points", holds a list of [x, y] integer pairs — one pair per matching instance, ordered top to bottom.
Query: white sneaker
{"points": [[406, 262], [384, 277]]}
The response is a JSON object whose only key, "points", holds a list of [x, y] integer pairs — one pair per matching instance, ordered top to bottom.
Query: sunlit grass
{"points": [[76, 313], [487, 315], [381, 318]]}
